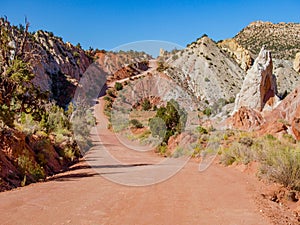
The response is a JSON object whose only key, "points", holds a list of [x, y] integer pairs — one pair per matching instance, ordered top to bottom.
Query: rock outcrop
{"points": [[237, 52], [296, 64], [60, 67], [286, 77], [259, 87], [286, 113], [246, 119]]}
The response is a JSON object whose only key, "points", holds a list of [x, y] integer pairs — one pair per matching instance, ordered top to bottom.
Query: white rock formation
{"points": [[259, 87]]}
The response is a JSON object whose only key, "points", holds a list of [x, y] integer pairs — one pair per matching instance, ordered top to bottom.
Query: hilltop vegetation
{"points": [[282, 39]]}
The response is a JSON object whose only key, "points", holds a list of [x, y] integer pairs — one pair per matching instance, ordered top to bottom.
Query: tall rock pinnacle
{"points": [[259, 87]]}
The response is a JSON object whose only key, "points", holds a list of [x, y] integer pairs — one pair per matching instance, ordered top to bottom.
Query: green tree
{"points": [[17, 93], [174, 120]]}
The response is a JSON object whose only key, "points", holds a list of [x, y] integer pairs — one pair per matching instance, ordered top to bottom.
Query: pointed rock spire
{"points": [[259, 87]]}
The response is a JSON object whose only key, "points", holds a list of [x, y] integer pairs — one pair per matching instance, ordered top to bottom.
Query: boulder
{"points": [[259, 87]]}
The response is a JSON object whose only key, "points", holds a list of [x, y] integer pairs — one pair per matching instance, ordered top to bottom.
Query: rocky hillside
{"points": [[282, 39], [57, 65], [60, 66], [206, 71]]}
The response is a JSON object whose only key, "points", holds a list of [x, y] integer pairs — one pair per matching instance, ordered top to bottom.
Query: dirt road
{"points": [[82, 196]]}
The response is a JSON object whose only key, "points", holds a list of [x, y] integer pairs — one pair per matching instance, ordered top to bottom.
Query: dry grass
{"points": [[279, 159]]}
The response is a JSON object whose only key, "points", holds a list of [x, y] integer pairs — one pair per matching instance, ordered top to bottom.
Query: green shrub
{"points": [[161, 66], [118, 86], [110, 93], [108, 99], [146, 105], [207, 111], [173, 120], [136, 123], [201, 130], [237, 152], [280, 162], [27, 166]]}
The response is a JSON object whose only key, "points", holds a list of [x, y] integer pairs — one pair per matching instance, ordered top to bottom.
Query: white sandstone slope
{"points": [[206, 71]]}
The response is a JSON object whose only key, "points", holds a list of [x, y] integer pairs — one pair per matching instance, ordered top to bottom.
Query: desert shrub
{"points": [[76, 54], [174, 57], [161, 66], [118, 86], [110, 93], [108, 99], [231, 100], [146, 105], [207, 111], [174, 119], [136, 123], [201, 130], [162, 149], [237, 152], [279, 160], [280, 163], [282, 166], [28, 167]]}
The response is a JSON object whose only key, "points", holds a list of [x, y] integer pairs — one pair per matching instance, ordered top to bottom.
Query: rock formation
{"points": [[237, 52], [296, 64], [206, 72], [286, 77], [259, 87], [287, 113], [246, 119]]}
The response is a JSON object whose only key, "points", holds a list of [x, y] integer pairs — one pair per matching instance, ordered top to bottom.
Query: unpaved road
{"points": [[218, 195]]}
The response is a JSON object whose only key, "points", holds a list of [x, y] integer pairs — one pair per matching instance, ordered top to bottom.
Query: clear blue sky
{"points": [[107, 24]]}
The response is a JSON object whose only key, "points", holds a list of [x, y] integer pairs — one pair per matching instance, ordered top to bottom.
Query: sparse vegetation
{"points": [[278, 38], [162, 66], [279, 161]]}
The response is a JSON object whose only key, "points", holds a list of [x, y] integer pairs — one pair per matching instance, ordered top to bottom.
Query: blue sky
{"points": [[108, 24]]}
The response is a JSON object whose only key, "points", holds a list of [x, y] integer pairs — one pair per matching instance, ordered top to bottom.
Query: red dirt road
{"points": [[218, 195]]}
